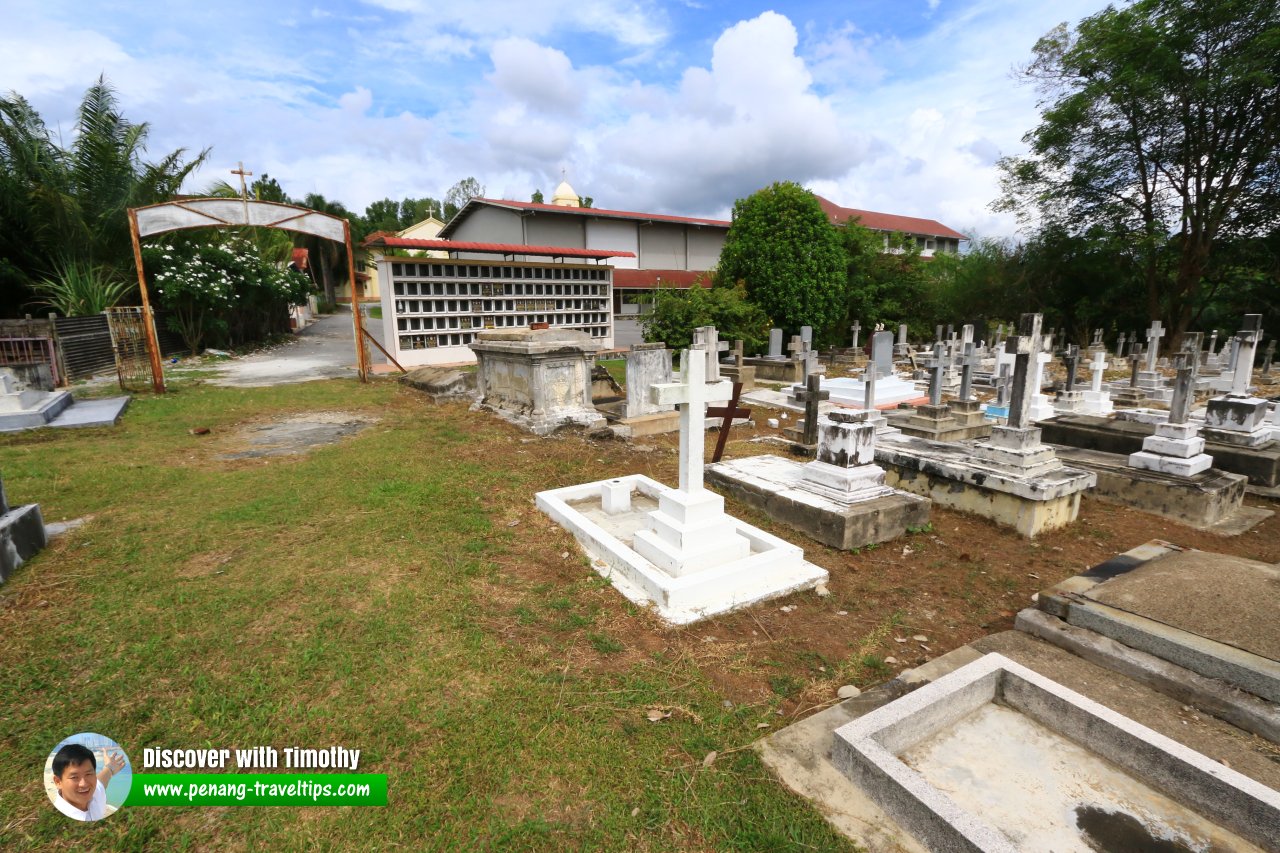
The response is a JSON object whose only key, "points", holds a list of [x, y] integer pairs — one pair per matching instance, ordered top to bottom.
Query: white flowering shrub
{"points": [[220, 291]]}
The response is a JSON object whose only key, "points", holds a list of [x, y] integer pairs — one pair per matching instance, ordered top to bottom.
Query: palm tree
{"points": [[64, 208], [326, 255]]}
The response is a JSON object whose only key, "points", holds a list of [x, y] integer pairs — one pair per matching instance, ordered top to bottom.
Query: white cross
{"points": [[1154, 334], [1098, 365], [691, 394]]}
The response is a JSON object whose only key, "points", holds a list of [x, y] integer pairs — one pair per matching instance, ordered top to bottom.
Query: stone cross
{"points": [[855, 328], [951, 331], [902, 333], [937, 333], [1154, 334], [806, 335], [999, 336], [1097, 337], [1249, 337], [707, 339], [1133, 341], [775, 343], [1213, 343], [1234, 343], [1023, 346], [1120, 346], [796, 347], [737, 354], [1266, 360], [1072, 361], [1135, 361], [967, 363], [936, 367], [1096, 367], [869, 385], [1002, 386], [1183, 390], [691, 395], [811, 395], [728, 412]]}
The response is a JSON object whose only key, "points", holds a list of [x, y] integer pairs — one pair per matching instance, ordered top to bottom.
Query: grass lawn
{"points": [[395, 593], [398, 593]]}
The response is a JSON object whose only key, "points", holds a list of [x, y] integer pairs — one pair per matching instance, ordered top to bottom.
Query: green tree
{"points": [[1162, 126], [267, 188], [459, 194], [536, 198], [64, 208], [414, 210], [382, 215], [328, 256], [788, 256], [886, 280], [676, 313]]}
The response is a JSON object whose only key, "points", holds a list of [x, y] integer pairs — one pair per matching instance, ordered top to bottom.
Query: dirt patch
{"points": [[295, 434]]}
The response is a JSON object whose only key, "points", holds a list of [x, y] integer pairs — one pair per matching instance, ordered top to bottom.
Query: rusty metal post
{"points": [[148, 318], [362, 366]]}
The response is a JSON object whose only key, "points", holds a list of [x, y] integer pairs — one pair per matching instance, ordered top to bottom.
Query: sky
{"points": [[661, 106]]}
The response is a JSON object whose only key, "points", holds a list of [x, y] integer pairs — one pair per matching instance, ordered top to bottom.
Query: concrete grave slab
{"points": [[996, 757]]}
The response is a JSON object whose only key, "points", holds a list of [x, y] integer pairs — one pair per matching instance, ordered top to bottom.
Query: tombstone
{"points": [[855, 328], [937, 334], [806, 335], [999, 336], [1097, 338], [707, 339], [775, 343], [1120, 346], [797, 348], [902, 348], [882, 354], [1211, 355], [1266, 360], [647, 365], [740, 372], [538, 379], [811, 396], [1131, 396], [1069, 399], [1096, 400], [23, 406], [999, 408], [1041, 408], [966, 411], [1238, 417], [933, 420], [1175, 448], [1010, 477], [22, 534], [687, 559]]}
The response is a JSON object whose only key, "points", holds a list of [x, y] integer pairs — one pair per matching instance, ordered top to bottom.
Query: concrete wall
{"points": [[492, 225], [566, 231], [615, 236], [662, 247], [704, 247]]}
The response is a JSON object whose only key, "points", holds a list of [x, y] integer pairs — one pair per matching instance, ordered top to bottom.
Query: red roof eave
{"points": [[496, 248]]}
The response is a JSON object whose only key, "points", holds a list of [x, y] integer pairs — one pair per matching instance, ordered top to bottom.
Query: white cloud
{"points": [[540, 78]]}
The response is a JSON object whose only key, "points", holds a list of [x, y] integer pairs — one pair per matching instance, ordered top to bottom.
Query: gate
{"points": [[129, 344]]}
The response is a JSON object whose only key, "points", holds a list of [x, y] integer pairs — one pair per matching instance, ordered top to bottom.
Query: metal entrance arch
{"points": [[229, 213]]}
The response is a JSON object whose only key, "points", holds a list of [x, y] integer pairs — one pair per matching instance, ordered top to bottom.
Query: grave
{"points": [[901, 348], [646, 365], [775, 368], [739, 371], [538, 379], [890, 389], [1131, 396], [1069, 399], [1097, 401], [1040, 406], [23, 407], [966, 411], [1238, 417], [933, 419], [804, 434], [1171, 476], [1011, 477], [840, 499], [22, 534], [676, 549], [996, 751], [995, 757]]}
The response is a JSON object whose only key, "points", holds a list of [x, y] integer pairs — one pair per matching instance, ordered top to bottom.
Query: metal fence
{"points": [[71, 347]]}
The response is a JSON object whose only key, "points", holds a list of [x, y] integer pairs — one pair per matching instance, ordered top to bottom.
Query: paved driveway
{"points": [[324, 350]]}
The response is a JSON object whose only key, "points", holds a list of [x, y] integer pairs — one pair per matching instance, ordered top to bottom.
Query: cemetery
{"points": [[714, 516]]}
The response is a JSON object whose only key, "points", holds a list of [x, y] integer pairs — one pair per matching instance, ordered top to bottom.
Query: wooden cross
{"points": [[239, 170], [811, 395], [729, 411]]}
